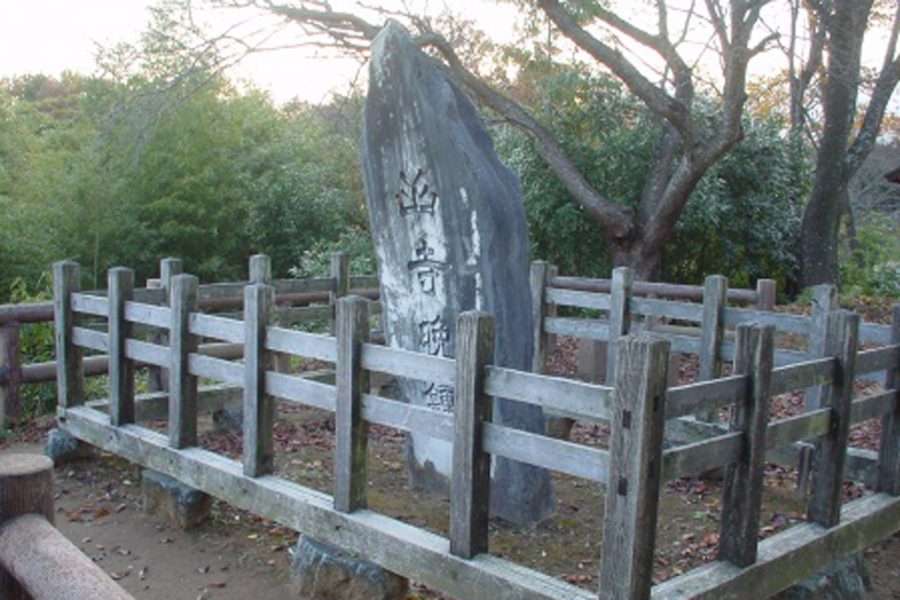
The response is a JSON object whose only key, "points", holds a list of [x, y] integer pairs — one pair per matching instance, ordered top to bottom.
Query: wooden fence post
{"points": [[168, 268], [260, 269], [340, 272], [552, 273], [538, 283], [766, 290], [715, 292], [824, 301], [619, 316], [69, 367], [121, 369], [11, 371], [182, 385], [259, 407], [351, 432], [889, 449], [635, 468], [471, 476], [742, 498], [824, 504]]}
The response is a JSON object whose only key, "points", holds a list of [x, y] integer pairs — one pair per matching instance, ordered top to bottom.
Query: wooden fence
{"points": [[633, 469]]}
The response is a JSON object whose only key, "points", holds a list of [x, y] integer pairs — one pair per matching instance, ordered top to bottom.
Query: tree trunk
{"points": [[821, 219]]}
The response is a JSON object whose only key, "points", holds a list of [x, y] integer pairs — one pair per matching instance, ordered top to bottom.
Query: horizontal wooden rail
{"points": [[667, 290]]}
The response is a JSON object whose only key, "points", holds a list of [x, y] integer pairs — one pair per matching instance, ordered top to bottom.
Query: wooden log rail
{"points": [[632, 469], [37, 562]]}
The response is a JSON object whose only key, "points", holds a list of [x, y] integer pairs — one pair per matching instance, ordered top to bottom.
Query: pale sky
{"points": [[49, 36]]}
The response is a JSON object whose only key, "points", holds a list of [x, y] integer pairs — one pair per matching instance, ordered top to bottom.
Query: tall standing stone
{"points": [[450, 234]]}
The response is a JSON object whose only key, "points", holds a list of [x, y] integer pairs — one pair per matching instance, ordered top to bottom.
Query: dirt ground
{"points": [[236, 554]]}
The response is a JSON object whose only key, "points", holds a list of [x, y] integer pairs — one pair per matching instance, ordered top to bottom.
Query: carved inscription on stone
{"points": [[415, 195], [424, 268]]}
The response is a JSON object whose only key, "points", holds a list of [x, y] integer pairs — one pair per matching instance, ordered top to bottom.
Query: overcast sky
{"points": [[49, 36]]}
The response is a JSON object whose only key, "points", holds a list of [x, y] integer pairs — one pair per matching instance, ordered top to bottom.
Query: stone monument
{"points": [[449, 230]]}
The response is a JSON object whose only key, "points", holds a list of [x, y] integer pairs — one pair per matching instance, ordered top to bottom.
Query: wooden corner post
{"points": [[260, 269], [340, 272], [538, 281], [766, 291], [715, 292], [619, 316], [69, 367], [121, 369], [10, 373], [182, 385], [259, 407], [351, 432], [889, 449], [635, 473], [471, 476], [742, 498], [824, 504]]}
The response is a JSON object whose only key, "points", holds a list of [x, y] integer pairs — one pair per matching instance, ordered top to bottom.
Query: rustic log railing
{"points": [[632, 469], [36, 561]]}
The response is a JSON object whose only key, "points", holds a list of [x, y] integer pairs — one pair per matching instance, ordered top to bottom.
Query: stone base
{"points": [[61, 447], [424, 477], [182, 505], [321, 572], [847, 579]]}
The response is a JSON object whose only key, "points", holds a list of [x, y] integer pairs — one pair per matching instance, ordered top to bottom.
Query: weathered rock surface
{"points": [[450, 234], [61, 447], [183, 506], [323, 572]]}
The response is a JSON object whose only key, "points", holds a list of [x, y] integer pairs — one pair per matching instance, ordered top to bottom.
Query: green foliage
{"points": [[742, 220], [356, 241], [879, 271], [36, 345]]}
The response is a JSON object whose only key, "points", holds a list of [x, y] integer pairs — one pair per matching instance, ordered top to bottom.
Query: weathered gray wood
{"points": [[168, 268], [260, 270], [340, 275], [538, 277], [643, 288], [715, 290], [765, 292], [577, 298], [824, 301], [90, 305], [654, 307], [37, 312], [147, 314], [619, 317], [782, 321], [210, 326], [593, 329], [874, 333], [90, 339], [299, 343], [147, 353], [878, 359], [406, 363], [217, 369], [69, 370], [121, 370], [818, 371], [182, 385], [299, 389], [704, 396], [585, 400], [154, 406], [874, 406], [10, 407], [259, 407], [408, 417], [804, 426], [351, 432], [889, 449], [550, 453], [701, 456], [635, 465], [470, 481], [742, 494], [824, 505], [396, 546], [789, 556]]}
